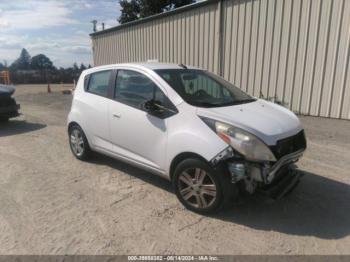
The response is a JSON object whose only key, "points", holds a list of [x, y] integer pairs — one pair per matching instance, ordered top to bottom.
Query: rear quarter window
{"points": [[98, 83]]}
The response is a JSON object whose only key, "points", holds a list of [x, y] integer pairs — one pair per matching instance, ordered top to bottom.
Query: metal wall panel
{"points": [[293, 51]]}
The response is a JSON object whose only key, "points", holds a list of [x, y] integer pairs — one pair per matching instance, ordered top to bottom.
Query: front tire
{"points": [[78, 143], [199, 187]]}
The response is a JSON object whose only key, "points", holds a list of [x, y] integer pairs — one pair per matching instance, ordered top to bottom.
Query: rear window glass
{"points": [[98, 82]]}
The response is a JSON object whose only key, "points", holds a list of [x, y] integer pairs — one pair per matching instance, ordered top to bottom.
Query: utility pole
{"points": [[94, 23]]}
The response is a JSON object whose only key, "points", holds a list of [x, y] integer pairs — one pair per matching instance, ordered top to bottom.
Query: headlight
{"points": [[242, 141]]}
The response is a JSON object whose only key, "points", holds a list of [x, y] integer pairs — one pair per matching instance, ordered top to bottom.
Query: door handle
{"points": [[116, 115]]}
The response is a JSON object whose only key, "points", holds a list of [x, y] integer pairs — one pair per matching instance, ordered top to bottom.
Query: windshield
{"points": [[203, 89]]}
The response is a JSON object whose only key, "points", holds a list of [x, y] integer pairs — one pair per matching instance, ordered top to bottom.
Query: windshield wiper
{"points": [[239, 102], [232, 103], [205, 104]]}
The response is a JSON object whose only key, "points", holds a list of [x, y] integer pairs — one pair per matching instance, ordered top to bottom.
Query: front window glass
{"points": [[134, 88], [203, 89]]}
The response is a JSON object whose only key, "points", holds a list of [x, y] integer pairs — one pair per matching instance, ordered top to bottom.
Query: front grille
{"points": [[289, 145]]}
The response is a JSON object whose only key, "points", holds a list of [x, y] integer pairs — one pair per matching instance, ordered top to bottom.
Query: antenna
{"points": [[94, 23], [183, 66]]}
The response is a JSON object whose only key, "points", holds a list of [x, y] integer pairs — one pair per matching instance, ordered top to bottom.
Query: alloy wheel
{"points": [[77, 142], [197, 187]]}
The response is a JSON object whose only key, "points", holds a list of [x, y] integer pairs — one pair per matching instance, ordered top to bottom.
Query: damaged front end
{"points": [[8, 106], [273, 178]]}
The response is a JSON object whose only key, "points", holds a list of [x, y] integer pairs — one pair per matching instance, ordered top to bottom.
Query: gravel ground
{"points": [[51, 203]]}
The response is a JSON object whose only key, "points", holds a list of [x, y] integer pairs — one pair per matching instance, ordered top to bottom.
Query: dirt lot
{"points": [[51, 203]]}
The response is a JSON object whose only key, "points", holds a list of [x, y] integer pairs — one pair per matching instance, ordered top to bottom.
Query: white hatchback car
{"points": [[190, 126]]}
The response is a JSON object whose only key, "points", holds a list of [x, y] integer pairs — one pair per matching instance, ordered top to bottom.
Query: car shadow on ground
{"points": [[16, 127], [318, 206]]}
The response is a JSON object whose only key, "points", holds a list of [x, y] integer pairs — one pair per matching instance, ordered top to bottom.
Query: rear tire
{"points": [[78, 143], [201, 188]]}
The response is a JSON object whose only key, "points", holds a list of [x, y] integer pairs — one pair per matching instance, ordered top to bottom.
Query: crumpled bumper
{"points": [[286, 160], [276, 178]]}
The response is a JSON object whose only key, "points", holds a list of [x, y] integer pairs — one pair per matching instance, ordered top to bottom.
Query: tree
{"points": [[179, 3], [152, 7], [134, 9], [130, 11], [23, 62], [41, 62], [2, 67], [75, 67], [82, 67], [45, 70], [75, 71]]}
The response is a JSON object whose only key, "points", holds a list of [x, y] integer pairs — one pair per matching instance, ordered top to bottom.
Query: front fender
{"points": [[192, 136]]}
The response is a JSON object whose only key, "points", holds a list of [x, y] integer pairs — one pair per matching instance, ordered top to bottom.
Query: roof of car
{"points": [[148, 65], [156, 65]]}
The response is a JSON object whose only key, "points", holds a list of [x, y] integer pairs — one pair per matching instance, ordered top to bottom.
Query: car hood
{"points": [[6, 91], [268, 121]]}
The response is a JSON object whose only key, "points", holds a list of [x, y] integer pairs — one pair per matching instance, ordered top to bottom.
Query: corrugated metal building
{"points": [[295, 51]]}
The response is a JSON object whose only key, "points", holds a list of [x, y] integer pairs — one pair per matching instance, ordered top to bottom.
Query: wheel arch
{"points": [[73, 123], [180, 157]]}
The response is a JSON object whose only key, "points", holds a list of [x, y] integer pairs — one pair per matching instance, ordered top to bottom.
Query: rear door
{"points": [[94, 106], [135, 134]]}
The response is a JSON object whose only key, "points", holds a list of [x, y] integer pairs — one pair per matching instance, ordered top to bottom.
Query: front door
{"points": [[135, 134]]}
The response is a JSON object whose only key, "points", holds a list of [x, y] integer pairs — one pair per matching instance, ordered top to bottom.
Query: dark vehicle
{"points": [[8, 106]]}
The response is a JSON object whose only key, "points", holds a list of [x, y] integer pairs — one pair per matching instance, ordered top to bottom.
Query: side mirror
{"points": [[151, 106], [156, 108]]}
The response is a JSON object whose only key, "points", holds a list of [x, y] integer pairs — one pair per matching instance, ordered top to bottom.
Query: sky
{"points": [[57, 28]]}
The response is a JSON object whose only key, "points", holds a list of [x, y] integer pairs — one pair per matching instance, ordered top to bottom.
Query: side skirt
{"points": [[132, 162]]}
